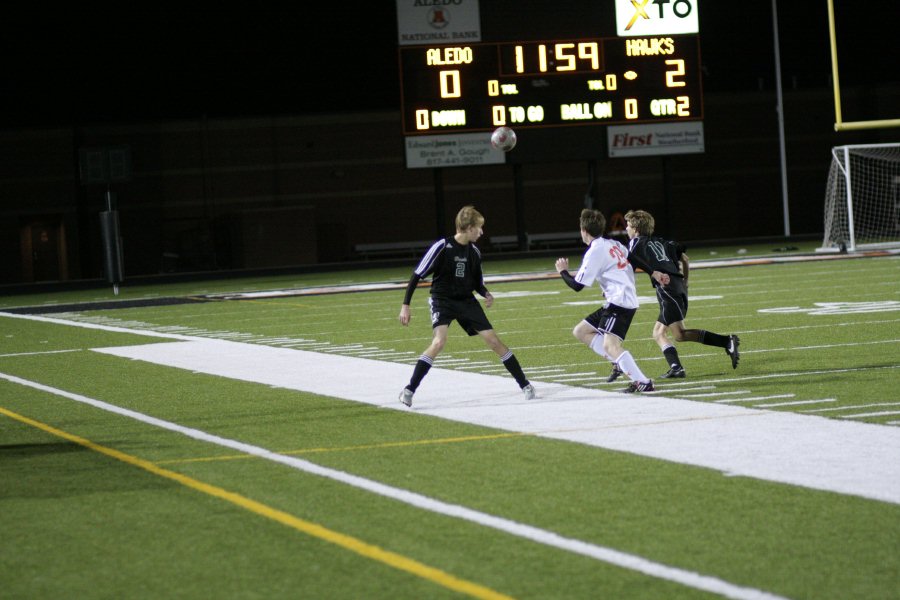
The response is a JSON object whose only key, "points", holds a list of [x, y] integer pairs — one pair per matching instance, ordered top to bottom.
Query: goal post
{"points": [[839, 123], [862, 198]]}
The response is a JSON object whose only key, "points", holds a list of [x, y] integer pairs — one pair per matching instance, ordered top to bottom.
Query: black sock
{"points": [[708, 338], [671, 355], [512, 365], [422, 366]]}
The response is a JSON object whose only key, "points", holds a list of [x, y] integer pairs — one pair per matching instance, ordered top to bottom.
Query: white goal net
{"points": [[862, 198]]}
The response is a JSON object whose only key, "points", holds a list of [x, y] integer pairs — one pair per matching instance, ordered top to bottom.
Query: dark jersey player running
{"points": [[651, 253], [455, 266]]}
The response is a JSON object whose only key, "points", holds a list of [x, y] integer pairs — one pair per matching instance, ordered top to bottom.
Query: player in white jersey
{"points": [[606, 264]]}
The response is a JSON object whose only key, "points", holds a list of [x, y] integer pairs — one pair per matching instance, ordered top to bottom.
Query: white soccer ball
{"points": [[504, 139]]}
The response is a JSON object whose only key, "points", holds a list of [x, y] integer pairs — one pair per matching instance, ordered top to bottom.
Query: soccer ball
{"points": [[504, 139]]}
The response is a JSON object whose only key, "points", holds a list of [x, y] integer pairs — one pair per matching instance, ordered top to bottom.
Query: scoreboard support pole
{"points": [[779, 109], [667, 196], [590, 197], [439, 202]]}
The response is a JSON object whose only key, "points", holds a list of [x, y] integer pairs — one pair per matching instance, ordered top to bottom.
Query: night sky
{"points": [[76, 68]]}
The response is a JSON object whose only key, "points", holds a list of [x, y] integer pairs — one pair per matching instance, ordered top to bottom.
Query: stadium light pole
{"points": [[780, 110]]}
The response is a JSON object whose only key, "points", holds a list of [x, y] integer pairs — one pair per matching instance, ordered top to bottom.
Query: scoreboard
{"points": [[576, 80], [550, 83]]}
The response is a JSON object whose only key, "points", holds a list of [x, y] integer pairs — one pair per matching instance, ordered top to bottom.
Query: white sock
{"points": [[597, 346], [629, 367]]}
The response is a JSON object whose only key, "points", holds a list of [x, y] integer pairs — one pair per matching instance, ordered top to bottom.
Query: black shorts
{"points": [[673, 306], [468, 313], [612, 319]]}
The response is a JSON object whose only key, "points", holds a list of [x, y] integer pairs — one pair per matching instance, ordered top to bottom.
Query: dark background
{"points": [[136, 62], [263, 137]]}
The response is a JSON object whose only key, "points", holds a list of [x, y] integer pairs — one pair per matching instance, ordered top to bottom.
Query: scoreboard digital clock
{"points": [[481, 86]]}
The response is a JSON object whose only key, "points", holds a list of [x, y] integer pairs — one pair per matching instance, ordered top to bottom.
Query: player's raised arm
{"points": [[562, 264], [562, 267]]}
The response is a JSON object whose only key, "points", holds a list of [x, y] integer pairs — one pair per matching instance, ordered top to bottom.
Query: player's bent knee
{"points": [[681, 335]]}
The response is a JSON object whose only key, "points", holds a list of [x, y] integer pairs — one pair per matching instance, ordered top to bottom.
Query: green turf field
{"points": [[100, 502]]}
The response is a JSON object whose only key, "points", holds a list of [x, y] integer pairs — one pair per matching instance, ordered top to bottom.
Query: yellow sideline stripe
{"points": [[450, 440], [453, 440], [353, 544]]}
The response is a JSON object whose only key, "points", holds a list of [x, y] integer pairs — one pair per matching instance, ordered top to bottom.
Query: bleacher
{"points": [[535, 241], [496, 243], [392, 249]]}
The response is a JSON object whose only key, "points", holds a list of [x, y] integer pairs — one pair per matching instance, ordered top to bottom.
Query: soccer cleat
{"points": [[732, 350], [676, 372], [614, 374], [637, 386], [529, 391], [406, 396]]}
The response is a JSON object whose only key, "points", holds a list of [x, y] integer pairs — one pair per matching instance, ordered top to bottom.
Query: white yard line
{"points": [[604, 554]]}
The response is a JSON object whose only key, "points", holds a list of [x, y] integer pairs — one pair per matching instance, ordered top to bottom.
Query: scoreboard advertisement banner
{"points": [[654, 139]]}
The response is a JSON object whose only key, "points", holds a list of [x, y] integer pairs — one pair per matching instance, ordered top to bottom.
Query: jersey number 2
{"points": [[619, 257]]}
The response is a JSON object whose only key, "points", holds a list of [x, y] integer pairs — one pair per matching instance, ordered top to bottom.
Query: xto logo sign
{"points": [[656, 17]]}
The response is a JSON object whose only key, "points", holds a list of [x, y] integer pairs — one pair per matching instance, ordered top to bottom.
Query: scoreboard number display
{"points": [[551, 83]]}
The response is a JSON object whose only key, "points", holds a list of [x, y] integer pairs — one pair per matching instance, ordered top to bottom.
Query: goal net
{"points": [[862, 198]]}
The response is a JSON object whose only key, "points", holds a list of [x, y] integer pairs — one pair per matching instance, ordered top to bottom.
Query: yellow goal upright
{"points": [[839, 123]]}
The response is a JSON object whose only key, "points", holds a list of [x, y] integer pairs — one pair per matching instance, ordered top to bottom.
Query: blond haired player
{"points": [[651, 253], [455, 266]]}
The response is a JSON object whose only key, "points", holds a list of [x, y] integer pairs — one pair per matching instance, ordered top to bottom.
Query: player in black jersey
{"points": [[651, 253], [455, 266]]}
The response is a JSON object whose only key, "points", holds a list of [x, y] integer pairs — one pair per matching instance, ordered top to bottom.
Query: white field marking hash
{"points": [[38, 353], [713, 394], [755, 398], [795, 403], [854, 407], [885, 413]]}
